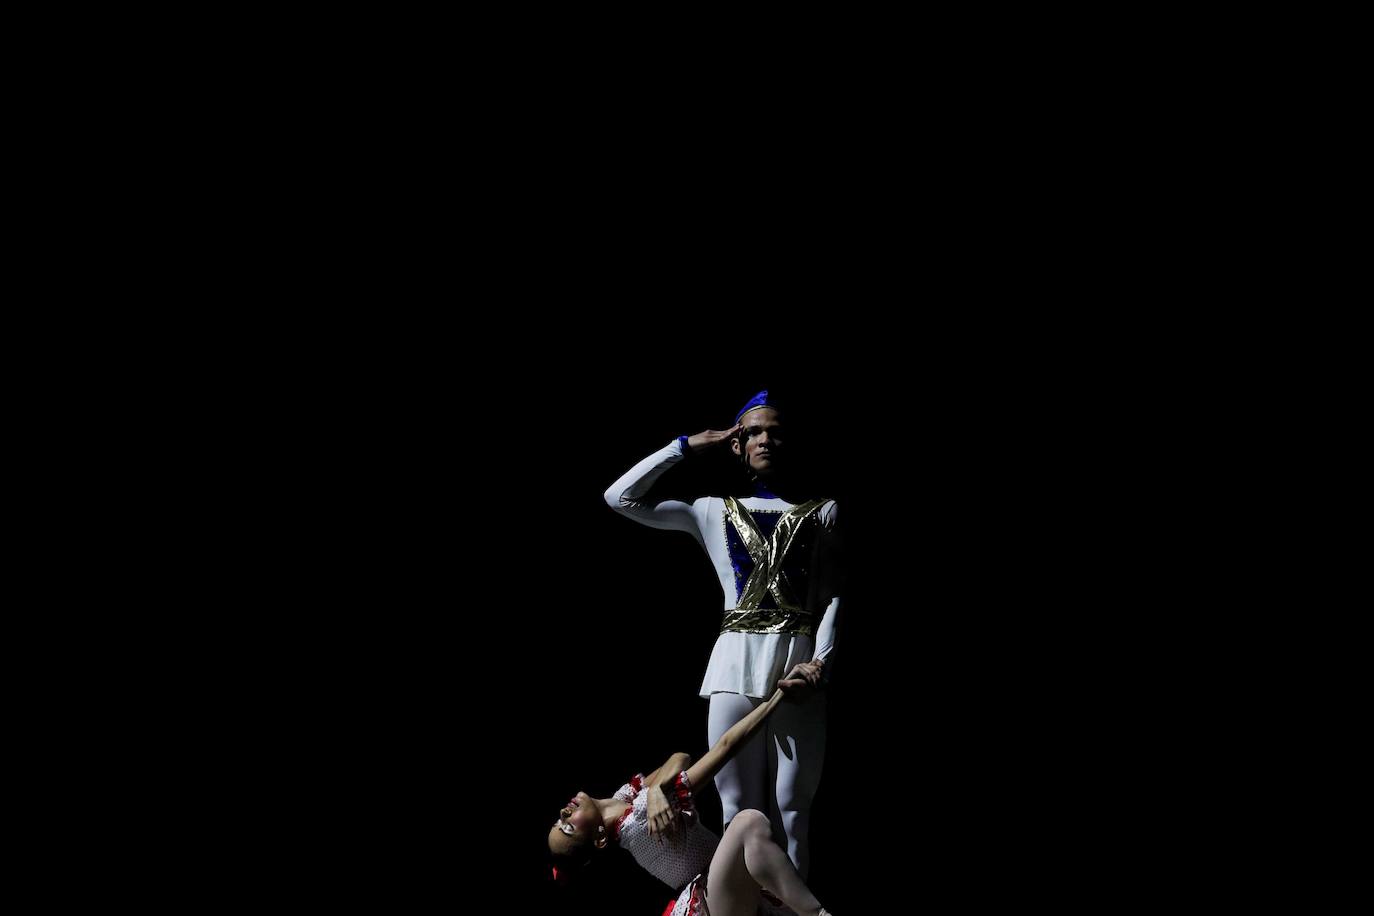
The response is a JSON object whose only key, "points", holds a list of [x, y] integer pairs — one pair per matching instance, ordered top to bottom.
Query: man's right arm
{"points": [[628, 495]]}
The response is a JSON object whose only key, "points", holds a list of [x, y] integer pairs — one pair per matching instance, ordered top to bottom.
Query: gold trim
{"points": [[767, 576], [770, 620]]}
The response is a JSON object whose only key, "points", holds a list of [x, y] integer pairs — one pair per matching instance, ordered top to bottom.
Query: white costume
{"points": [[777, 566], [679, 859]]}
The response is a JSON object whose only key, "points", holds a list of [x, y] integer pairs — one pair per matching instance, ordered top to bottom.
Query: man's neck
{"points": [[765, 487]]}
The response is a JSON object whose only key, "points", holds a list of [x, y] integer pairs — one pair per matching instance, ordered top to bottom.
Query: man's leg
{"points": [[796, 755], [743, 782]]}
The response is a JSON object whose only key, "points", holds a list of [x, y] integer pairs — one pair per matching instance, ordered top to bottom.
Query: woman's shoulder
{"points": [[631, 789]]}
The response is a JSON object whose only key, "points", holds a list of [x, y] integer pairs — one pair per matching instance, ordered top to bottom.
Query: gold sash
{"points": [[767, 577]]}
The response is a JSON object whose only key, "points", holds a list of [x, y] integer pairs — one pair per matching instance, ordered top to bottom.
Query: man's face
{"points": [[760, 441]]}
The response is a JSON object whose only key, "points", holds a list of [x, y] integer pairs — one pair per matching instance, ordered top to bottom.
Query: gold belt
{"points": [[769, 620]]}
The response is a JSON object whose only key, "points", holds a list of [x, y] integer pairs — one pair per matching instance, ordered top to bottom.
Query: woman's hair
{"points": [[573, 858], [569, 870]]}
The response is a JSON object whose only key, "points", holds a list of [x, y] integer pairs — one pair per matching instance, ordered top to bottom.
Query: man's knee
{"points": [[794, 798]]}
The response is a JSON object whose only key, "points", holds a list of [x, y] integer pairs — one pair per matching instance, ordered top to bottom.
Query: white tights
{"points": [[786, 755]]}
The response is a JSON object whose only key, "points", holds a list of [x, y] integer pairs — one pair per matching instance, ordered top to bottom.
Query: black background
{"points": [[486, 636]]}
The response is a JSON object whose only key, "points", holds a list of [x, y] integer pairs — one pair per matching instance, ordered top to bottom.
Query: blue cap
{"points": [[758, 400]]}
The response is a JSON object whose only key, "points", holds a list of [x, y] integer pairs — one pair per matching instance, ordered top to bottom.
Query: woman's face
{"points": [[576, 824]]}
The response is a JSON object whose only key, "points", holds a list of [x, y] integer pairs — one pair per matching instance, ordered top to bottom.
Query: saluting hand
{"points": [[712, 437]]}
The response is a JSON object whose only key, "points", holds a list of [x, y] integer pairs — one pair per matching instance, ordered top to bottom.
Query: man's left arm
{"points": [[831, 573]]}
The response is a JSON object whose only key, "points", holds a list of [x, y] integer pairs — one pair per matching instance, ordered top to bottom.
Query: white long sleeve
{"points": [[626, 495], [831, 579], [825, 633]]}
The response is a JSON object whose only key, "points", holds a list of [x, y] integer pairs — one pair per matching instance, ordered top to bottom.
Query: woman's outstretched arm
{"points": [[801, 677]]}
